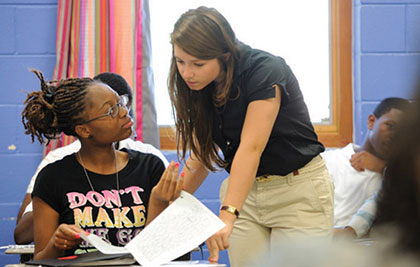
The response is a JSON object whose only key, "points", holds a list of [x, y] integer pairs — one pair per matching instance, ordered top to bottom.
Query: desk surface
{"points": [[20, 249], [29, 249], [176, 264]]}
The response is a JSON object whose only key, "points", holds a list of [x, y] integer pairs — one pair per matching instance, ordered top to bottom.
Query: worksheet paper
{"points": [[180, 228], [103, 246]]}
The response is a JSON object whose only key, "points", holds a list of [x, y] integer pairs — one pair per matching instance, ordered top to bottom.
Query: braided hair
{"points": [[55, 108]]}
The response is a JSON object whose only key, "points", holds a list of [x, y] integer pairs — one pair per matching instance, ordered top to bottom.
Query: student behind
{"points": [[357, 171], [111, 193], [396, 228], [23, 233]]}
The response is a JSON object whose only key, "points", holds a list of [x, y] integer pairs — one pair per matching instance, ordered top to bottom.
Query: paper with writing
{"points": [[180, 228], [103, 246]]}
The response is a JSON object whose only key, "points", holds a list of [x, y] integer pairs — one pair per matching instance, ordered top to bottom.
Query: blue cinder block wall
{"points": [[27, 30], [386, 55], [386, 58]]}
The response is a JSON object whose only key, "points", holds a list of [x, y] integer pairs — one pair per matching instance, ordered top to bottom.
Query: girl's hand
{"points": [[169, 187], [67, 236], [220, 240]]}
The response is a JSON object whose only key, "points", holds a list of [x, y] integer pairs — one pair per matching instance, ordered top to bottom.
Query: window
{"points": [[315, 47]]}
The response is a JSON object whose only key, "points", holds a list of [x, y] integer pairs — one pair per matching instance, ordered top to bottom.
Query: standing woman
{"points": [[247, 103], [98, 189]]}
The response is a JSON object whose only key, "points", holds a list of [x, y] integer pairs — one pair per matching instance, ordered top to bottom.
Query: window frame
{"points": [[339, 132]]}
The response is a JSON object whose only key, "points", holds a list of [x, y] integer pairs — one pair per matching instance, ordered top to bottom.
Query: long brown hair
{"points": [[205, 34], [55, 108], [399, 197]]}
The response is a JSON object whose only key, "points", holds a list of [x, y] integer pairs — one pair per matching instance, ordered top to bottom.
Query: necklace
{"points": [[87, 176]]}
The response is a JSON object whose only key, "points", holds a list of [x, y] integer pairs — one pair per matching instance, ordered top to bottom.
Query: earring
{"points": [[90, 136]]}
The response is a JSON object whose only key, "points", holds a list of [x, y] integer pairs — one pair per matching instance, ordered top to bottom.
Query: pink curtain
{"points": [[95, 36]]}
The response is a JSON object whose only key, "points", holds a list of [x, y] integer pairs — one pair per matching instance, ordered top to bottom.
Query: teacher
{"points": [[247, 103]]}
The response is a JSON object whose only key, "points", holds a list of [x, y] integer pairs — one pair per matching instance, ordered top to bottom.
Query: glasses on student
{"points": [[114, 110]]}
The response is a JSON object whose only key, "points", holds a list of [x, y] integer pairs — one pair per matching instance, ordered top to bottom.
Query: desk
{"points": [[20, 249], [29, 249], [26, 252], [176, 264]]}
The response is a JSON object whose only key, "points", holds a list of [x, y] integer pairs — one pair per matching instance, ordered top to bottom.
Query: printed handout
{"points": [[180, 228]]}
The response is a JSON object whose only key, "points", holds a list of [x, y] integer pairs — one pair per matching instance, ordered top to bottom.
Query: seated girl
{"points": [[98, 189]]}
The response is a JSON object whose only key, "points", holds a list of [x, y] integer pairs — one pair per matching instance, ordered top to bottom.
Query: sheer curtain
{"points": [[95, 36]]}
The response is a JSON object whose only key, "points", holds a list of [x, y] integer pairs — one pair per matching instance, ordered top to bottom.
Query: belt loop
{"points": [[289, 179]]}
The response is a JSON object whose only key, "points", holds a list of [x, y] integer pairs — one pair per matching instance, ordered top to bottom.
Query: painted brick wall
{"points": [[27, 30], [386, 54]]}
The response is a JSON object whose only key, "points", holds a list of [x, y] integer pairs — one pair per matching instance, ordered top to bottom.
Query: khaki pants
{"points": [[297, 205]]}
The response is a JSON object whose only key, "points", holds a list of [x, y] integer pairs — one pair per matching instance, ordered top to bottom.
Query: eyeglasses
{"points": [[114, 110]]}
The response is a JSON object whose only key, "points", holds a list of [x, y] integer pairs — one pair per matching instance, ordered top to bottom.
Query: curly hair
{"points": [[55, 108]]}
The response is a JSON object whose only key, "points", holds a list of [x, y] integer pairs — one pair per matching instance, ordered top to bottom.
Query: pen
{"points": [[68, 257]]}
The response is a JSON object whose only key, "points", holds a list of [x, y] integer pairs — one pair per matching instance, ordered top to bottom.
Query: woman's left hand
{"points": [[169, 186], [167, 190], [220, 240]]}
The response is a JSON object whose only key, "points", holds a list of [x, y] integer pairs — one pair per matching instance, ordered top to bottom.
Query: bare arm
{"points": [[259, 121], [257, 128], [195, 174], [26, 200], [24, 230], [23, 233], [51, 239]]}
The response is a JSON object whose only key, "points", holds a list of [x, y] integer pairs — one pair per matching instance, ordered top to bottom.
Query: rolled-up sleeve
{"points": [[362, 221]]}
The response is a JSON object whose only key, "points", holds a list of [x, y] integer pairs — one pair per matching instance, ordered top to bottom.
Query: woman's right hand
{"points": [[66, 236], [220, 240]]}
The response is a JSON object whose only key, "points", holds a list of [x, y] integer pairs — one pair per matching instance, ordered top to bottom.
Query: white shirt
{"points": [[61, 152], [351, 188]]}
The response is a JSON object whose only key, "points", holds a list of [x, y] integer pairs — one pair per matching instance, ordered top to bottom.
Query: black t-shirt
{"points": [[293, 141], [116, 216]]}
